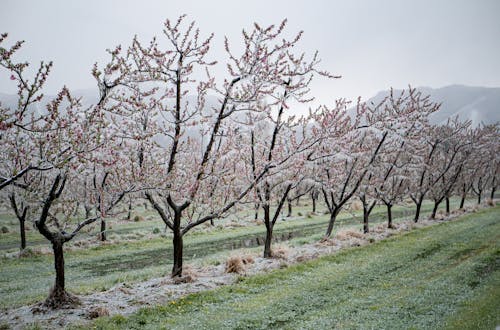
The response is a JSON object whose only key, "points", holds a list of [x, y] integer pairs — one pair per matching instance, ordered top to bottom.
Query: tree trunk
{"points": [[492, 194], [479, 197], [447, 200], [298, 201], [462, 201], [314, 204], [256, 207], [289, 208], [434, 209], [367, 210], [417, 211], [129, 213], [389, 216], [21, 217], [333, 217], [365, 221], [22, 230], [103, 230], [269, 233], [178, 245], [267, 245], [57, 247], [58, 297]]}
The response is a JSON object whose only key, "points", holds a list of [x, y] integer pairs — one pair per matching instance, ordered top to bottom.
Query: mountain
{"points": [[478, 104]]}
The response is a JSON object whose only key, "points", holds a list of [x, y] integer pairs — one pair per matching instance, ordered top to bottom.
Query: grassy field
{"points": [[151, 225], [443, 276], [27, 280]]}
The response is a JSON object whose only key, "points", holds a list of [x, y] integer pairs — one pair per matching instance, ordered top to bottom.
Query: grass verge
{"points": [[440, 276]]}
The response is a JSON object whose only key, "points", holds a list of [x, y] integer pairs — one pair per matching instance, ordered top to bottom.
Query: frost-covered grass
{"points": [[447, 275], [28, 280]]}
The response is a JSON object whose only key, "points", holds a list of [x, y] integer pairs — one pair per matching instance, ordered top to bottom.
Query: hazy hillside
{"points": [[479, 104]]}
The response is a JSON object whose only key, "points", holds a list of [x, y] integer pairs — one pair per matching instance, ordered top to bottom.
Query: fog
{"points": [[372, 44]]}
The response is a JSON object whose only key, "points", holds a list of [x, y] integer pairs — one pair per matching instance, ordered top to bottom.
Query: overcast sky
{"points": [[372, 44]]}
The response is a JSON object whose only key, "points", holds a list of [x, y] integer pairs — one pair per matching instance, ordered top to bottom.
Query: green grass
{"points": [[134, 231], [441, 276], [28, 280]]}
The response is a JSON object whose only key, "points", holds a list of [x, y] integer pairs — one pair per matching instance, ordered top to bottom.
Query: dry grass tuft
{"points": [[490, 202], [473, 208], [457, 211], [440, 215], [379, 229], [355, 234], [346, 235], [342, 236], [325, 241], [280, 252], [29, 253], [307, 256], [247, 259], [235, 265], [188, 275], [185, 278], [97, 312]]}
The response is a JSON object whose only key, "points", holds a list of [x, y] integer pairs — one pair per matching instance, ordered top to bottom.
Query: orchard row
{"points": [[198, 147]]}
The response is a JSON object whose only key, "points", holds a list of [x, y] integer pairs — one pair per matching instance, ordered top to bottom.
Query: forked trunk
{"points": [[367, 209], [417, 211], [21, 217], [331, 222]]}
